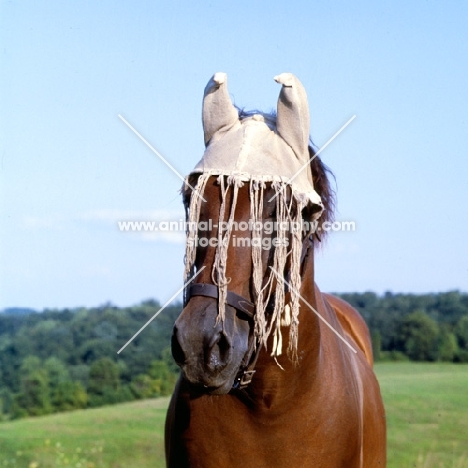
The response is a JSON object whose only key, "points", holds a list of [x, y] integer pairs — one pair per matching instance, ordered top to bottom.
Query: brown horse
{"points": [[240, 401]]}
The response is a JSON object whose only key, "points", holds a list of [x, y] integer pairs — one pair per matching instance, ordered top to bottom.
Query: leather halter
{"points": [[232, 299], [246, 307]]}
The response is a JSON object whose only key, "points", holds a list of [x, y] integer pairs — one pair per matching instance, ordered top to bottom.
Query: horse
{"points": [[275, 373]]}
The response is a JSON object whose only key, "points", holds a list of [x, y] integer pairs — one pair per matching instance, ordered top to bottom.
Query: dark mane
{"points": [[321, 174]]}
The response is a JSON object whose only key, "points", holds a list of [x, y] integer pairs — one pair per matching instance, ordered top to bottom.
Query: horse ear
{"points": [[218, 110], [293, 120]]}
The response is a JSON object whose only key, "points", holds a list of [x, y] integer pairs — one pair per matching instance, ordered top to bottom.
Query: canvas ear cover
{"points": [[218, 114], [293, 121], [258, 147]]}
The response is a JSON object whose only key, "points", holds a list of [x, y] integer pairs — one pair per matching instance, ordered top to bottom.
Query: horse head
{"points": [[250, 205]]}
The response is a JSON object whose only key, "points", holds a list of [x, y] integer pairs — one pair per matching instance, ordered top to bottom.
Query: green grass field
{"points": [[427, 414], [126, 435]]}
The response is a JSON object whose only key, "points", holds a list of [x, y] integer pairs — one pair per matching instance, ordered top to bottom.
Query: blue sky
{"points": [[70, 168]]}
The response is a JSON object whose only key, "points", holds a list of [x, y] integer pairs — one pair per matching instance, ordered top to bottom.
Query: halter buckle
{"points": [[244, 380]]}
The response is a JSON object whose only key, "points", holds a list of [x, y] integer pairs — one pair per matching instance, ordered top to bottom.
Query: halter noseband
{"points": [[239, 303], [245, 307]]}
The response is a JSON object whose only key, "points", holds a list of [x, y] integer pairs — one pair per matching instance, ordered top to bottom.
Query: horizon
{"points": [[179, 302]]}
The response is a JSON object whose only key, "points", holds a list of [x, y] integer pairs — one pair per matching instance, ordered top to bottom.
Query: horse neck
{"points": [[277, 380]]}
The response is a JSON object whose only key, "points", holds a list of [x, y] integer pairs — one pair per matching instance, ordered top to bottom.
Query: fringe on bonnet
{"points": [[265, 283]]}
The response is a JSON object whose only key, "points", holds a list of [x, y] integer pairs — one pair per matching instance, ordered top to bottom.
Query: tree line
{"points": [[423, 327], [60, 360]]}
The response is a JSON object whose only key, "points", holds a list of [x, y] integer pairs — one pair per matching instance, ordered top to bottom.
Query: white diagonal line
{"points": [[323, 147], [156, 152], [316, 154], [160, 310], [318, 315]]}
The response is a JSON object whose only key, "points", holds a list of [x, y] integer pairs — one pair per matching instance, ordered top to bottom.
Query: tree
{"points": [[461, 331], [417, 336], [376, 344], [447, 344], [29, 365], [57, 371], [80, 373], [103, 376], [165, 379], [104, 384], [143, 386], [65, 394], [69, 395], [34, 397], [6, 401]]}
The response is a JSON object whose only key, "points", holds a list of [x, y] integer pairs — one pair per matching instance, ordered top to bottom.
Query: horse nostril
{"points": [[224, 347], [177, 351], [217, 354]]}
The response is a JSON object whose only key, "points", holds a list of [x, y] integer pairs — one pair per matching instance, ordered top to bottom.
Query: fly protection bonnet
{"points": [[256, 150]]}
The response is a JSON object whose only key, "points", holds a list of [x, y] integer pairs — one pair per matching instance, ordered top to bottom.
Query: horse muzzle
{"points": [[209, 351]]}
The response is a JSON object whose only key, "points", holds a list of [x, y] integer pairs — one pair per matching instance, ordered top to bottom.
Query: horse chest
{"points": [[228, 435]]}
